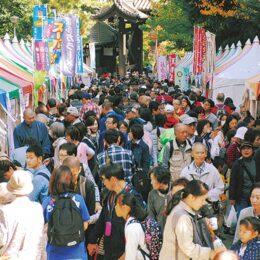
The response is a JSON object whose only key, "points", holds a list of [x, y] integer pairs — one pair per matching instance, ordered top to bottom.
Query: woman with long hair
{"points": [[61, 187], [128, 208], [179, 234]]}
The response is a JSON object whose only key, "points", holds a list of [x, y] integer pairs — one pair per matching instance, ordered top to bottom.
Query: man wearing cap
{"points": [[88, 105], [71, 116], [171, 118], [191, 123], [30, 128], [233, 151], [243, 176], [21, 221]]}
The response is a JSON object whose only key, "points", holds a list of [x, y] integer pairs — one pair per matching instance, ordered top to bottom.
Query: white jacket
{"points": [[210, 176], [21, 229], [134, 236]]}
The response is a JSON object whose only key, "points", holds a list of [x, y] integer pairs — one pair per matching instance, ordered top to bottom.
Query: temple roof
{"points": [[131, 10], [102, 33]]}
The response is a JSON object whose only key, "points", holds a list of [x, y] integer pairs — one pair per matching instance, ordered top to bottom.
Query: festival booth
{"points": [[232, 80], [251, 98], [10, 109]]}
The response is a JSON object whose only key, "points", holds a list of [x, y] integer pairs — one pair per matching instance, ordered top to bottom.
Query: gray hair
{"points": [[221, 97], [57, 130], [198, 144]]}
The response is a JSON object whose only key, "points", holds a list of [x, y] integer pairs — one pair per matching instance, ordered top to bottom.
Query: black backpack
{"points": [[66, 227]]}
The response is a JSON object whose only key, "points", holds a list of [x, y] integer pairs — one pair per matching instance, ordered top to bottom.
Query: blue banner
{"points": [[39, 13], [79, 62]]}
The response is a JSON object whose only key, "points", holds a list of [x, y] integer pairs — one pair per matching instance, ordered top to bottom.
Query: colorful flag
{"points": [[39, 13], [69, 46], [79, 49], [171, 65], [162, 68]]}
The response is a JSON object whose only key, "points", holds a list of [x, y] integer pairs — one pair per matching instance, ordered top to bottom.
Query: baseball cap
{"points": [[86, 95], [168, 108], [72, 111], [189, 120], [240, 133], [246, 144]]}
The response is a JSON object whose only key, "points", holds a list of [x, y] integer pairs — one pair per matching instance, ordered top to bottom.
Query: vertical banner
{"points": [[39, 13], [53, 31], [69, 46], [79, 49], [195, 50], [92, 53], [172, 65], [162, 68]]}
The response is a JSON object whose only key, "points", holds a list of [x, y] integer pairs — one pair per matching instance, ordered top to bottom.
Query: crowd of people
{"points": [[132, 169]]}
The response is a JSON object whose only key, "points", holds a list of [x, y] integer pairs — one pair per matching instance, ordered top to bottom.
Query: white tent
{"points": [[231, 81]]}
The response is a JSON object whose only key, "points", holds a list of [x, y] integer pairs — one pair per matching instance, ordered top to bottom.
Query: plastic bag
{"points": [[231, 218]]}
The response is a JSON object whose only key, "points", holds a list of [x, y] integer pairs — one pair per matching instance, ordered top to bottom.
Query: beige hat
{"points": [[20, 183], [5, 196]]}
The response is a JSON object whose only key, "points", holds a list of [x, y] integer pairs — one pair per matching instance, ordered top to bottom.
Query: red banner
{"points": [[195, 50], [199, 50], [172, 65]]}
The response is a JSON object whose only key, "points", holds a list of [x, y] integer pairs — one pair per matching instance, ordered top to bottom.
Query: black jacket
{"points": [[237, 179], [114, 245]]}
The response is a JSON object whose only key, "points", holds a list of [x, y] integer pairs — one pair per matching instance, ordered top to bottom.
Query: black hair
{"points": [[187, 99], [210, 101], [228, 101], [51, 102], [153, 105], [61, 108], [199, 110], [146, 115], [115, 119], [90, 120], [160, 120], [123, 122], [201, 125], [225, 127], [82, 129], [137, 131], [73, 132], [230, 134], [111, 136], [249, 136], [121, 139], [70, 148], [36, 149], [218, 161], [4, 167], [112, 170], [161, 174], [256, 186], [195, 187], [136, 209], [251, 223]]}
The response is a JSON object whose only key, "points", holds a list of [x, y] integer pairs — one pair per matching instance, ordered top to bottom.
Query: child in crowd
{"points": [[248, 247]]}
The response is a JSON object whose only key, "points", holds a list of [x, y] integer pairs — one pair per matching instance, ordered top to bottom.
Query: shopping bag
{"points": [[231, 218]]}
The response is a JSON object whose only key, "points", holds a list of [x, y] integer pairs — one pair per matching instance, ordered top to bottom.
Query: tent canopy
{"points": [[10, 88]]}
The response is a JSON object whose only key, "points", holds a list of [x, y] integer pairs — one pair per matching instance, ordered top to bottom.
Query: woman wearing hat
{"points": [[243, 176], [21, 221]]}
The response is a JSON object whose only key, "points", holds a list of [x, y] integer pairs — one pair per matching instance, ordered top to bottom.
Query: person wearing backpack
{"points": [[177, 153], [67, 216], [142, 235], [182, 239]]}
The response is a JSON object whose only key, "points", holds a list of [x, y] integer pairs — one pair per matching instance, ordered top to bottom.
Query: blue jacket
{"points": [[37, 131], [40, 184], [252, 251]]}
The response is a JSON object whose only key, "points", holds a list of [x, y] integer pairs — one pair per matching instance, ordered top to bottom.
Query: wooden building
{"points": [[119, 40]]}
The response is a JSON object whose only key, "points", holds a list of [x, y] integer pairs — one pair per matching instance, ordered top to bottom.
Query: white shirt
{"points": [[21, 229], [134, 236]]}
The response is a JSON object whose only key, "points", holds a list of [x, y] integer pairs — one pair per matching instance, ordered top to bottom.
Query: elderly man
{"points": [[71, 116], [30, 128], [177, 153], [203, 171]]}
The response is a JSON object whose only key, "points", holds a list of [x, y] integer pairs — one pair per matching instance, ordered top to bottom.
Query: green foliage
{"points": [[231, 21]]}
